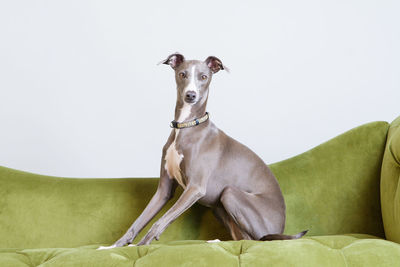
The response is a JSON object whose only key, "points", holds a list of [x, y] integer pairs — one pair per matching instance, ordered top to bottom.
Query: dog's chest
{"points": [[173, 161]]}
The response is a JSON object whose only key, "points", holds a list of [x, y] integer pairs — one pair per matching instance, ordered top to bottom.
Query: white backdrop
{"points": [[81, 94]]}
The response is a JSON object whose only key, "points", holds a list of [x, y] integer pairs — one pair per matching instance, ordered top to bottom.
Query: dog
{"points": [[212, 168]]}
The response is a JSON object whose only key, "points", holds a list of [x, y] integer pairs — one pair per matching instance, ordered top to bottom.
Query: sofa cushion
{"points": [[390, 189], [340, 250]]}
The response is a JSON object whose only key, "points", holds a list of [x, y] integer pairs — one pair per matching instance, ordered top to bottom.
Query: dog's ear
{"points": [[173, 60], [215, 64]]}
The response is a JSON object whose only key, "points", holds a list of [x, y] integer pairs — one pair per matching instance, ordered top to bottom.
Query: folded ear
{"points": [[173, 60], [214, 64]]}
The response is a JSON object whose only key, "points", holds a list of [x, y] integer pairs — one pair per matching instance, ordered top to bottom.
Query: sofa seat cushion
{"points": [[335, 250]]}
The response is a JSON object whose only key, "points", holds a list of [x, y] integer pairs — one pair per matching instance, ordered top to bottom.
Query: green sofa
{"points": [[345, 191]]}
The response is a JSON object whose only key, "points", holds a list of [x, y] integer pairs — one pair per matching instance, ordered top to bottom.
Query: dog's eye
{"points": [[182, 75], [203, 77]]}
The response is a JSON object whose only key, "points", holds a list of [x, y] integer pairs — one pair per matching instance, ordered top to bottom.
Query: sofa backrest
{"points": [[334, 187], [390, 188], [331, 189], [41, 211]]}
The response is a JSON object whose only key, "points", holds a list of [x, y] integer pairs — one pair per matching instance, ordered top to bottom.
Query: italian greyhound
{"points": [[211, 167]]}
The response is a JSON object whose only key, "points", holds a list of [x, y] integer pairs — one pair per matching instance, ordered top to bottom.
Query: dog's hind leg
{"points": [[255, 215], [236, 233]]}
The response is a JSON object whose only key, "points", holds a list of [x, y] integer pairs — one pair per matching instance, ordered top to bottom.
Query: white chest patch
{"points": [[172, 158], [172, 164]]}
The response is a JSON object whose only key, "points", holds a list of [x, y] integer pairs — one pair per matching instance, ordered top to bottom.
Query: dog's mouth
{"points": [[190, 101]]}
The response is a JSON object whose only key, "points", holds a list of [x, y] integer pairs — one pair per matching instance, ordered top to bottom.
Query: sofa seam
{"points": [[392, 154], [325, 245], [338, 249], [240, 254], [26, 256], [344, 257]]}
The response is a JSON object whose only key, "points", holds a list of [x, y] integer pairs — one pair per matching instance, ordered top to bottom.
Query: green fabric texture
{"points": [[390, 189], [333, 190], [40, 211], [341, 250]]}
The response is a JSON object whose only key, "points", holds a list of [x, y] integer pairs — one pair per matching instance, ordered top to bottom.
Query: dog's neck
{"points": [[186, 112]]}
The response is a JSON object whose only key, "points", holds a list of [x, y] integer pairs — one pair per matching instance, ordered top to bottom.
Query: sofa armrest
{"points": [[390, 188]]}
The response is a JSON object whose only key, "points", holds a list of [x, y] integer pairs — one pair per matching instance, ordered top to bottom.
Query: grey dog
{"points": [[212, 168]]}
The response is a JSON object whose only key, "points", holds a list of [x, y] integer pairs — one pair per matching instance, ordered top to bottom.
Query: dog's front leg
{"points": [[165, 191], [189, 196]]}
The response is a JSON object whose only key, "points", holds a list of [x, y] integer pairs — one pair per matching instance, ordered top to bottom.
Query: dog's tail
{"points": [[282, 237]]}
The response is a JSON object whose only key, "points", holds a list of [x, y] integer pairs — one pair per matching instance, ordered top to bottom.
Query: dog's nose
{"points": [[190, 96]]}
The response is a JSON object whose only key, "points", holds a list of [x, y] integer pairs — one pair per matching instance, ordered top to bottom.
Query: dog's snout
{"points": [[190, 96]]}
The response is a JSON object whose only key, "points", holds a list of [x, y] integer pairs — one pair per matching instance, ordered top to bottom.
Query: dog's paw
{"points": [[213, 241], [131, 245], [104, 247]]}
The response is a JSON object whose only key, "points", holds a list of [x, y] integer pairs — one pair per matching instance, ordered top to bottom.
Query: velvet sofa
{"points": [[345, 191]]}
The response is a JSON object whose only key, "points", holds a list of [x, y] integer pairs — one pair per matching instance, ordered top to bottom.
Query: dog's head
{"points": [[193, 77]]}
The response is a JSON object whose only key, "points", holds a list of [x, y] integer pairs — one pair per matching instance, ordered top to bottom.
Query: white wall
{"points": [[81, 94]]}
